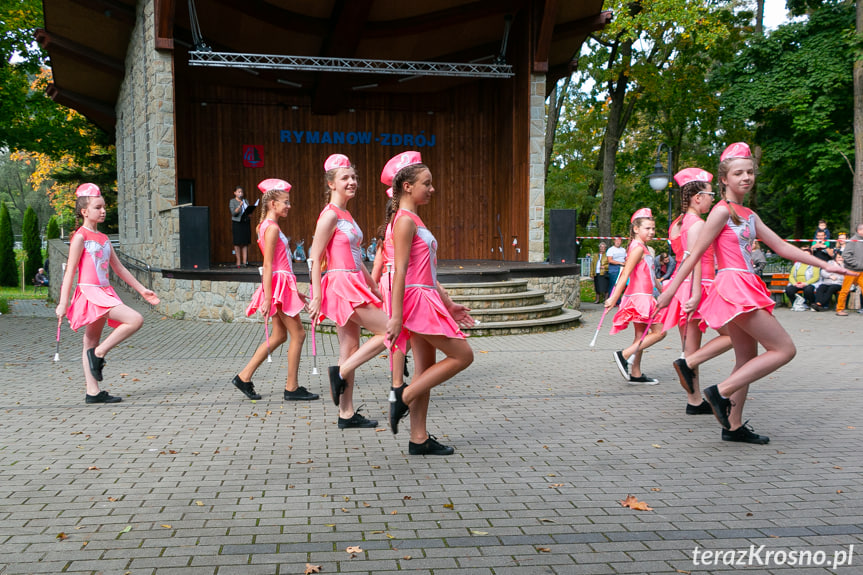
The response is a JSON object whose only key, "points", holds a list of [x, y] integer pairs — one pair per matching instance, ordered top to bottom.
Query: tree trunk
{"points": [[759, 18], [555, 101], [613, 131], [857, 192]]}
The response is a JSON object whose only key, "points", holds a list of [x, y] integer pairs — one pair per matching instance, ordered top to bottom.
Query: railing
{"points": [[135, 265]]}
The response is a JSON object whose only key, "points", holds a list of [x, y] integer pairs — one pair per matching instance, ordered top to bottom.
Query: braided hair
{"points": [[407, 175], [689, 190], [268, 197], [81, 204]]}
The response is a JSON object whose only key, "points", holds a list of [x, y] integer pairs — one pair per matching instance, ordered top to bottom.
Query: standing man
{"points": [[616, 258], [853, 261]]}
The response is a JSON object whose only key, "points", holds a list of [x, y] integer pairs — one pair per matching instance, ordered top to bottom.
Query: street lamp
{"points": [[660, 177]]}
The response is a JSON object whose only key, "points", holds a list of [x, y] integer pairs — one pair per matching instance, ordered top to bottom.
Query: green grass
{"points": [[28, 293], [588, 294], [4, 305]]}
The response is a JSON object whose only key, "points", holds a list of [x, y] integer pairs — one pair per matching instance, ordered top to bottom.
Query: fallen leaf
{"points": [[123, 374], [135, 379], [77, 433], [151, 437], [656, 445], [172, 452], [306, 462], [376, 466], [836, 467], [93, 468], [552, 475], [555, 485], [655, 489], [838, 491], [407, 497], [347, 498], [112, 499], [199, 503], [634, 503], [366, 504], [448, 506], [345, 510], [394, 512], [548, 520], [333, 525], [166, 526], [126, 529], [375, 532], [479, 532], [62, 536], [390, 536], [84, 544], [354, 549], [543, 549], [407, 557], [311, 569], [684, 572]]}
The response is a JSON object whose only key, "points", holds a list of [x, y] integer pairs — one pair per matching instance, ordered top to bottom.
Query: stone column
{"points": [[536, 205]]}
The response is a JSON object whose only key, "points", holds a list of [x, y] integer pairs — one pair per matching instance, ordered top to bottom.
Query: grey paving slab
{"points": [[187, 477]]}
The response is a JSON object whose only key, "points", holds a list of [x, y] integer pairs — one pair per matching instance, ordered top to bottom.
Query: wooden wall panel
{"points": [[478, 161]]}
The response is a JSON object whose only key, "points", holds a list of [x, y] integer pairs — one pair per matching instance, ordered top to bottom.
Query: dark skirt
{"points": [[242, 232]]}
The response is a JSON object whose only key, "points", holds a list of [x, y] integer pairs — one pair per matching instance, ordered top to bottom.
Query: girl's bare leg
{"points": [[374, 320], [130, 322], [92, 335], [656, 335], [277, 338], [349, 344], [295, 348]]}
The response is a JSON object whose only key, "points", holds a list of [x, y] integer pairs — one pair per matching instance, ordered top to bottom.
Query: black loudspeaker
{"points": [[185, 192], [195, 237], [562, 248]]}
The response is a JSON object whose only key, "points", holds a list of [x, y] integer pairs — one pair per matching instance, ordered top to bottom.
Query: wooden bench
{"points": [[777, 287]]}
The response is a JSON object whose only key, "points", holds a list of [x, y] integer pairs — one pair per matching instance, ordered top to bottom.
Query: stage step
{"points": [[504, 308]]}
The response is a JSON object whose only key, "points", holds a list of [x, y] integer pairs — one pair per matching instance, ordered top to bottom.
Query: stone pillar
{"points": [[146, 169], [536, 205]]}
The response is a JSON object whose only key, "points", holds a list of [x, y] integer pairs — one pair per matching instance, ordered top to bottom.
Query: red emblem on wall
{"points": [[253, 156]]}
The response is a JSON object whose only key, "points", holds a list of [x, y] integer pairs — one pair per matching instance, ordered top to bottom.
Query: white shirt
{"points": [[616, 254]]}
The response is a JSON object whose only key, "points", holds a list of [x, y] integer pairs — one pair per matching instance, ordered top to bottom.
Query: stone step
{"points": [[482, 288], [501, 300], [544, 310], [567, 319]]}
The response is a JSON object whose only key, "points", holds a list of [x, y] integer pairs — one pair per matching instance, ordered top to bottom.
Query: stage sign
{"points": [[420, 140], [253, 156]]}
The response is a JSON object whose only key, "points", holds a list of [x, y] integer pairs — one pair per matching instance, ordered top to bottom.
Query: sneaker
{"points": [[96, 363], [622, 364], [686, 375], [642, 380], [337, 384], [247, 387], [300, 394], [102, 397], [721, 406], [398, 408], [702, 409], [357, 420], [744, 434], [429, 447]]}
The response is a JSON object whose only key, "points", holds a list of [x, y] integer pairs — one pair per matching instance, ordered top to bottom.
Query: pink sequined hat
{"points": [[736, 150], [336, 161], [395, 164], [687, 175], [274, 184], [88, 190], [642, 213]]}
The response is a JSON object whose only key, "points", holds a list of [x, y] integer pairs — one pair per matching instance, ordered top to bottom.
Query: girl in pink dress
{"points": [[696, 198], [347, 294], [277, 296], [739, 299], [95, 301], [637, 305], [421, 309]]}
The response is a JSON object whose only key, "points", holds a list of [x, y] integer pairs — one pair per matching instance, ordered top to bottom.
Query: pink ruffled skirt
{"points": [[343, 292], [734, 293], [285, 296], [90, 303], [635, 308], [424, 312], [674, 316]]}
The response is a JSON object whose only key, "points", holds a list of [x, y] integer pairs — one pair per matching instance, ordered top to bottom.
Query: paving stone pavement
{"points": [[187, 477]]}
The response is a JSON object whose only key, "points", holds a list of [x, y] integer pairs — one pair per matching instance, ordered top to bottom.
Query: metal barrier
{"points": [[134, 264], [586, 265]]}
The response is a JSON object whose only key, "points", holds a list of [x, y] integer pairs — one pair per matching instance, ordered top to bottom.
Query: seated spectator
{"points": [[822, 227], [841, 240], [821, 247], [759, 260], [664, 266], [805, 278], [40, 279], [830, 284]]}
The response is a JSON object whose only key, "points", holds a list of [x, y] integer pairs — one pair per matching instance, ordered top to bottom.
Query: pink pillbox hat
{"points": [[736, 150], [336, 161], [395, 164], [687, 175], [274, 184], [89, 190], [642, 213]]}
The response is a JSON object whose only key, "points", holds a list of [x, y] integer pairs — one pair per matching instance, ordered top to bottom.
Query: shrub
{"points": [[52, 231], [32, 244], [8, 270]]}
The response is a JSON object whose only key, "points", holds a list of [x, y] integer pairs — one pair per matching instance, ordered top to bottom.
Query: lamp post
{"points": [[660, 177]]}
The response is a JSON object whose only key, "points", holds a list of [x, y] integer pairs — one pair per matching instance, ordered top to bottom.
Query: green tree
{"points": [[796, 85], [52, 230], [32, 243], [8, 270]]}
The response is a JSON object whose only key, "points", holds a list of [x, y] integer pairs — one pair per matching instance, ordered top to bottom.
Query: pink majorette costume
{"points": [[388, 255], [344, 286], [737, 289], [285, 295], [94, 297], [637, 304], [423, 310], [674, 314]]}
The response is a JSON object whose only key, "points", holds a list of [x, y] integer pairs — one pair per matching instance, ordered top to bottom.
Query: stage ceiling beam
{"points": [[112, 9], [349, 17], [285, 19], [434, 21], [164, 24], [544, 33], [87, 56], [100, 113]]}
